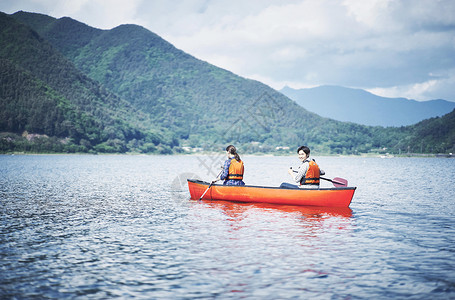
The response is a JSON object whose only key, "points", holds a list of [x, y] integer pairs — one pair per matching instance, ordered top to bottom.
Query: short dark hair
{"points": [[305, 149]]}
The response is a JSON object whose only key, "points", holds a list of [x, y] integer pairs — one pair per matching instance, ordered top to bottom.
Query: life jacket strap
{"points": [[315, 179]]}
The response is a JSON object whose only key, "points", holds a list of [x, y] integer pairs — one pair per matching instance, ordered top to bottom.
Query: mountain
{"points": [[43, 93], [139, 93], [202, 104], [361, 107], [434, 135]]}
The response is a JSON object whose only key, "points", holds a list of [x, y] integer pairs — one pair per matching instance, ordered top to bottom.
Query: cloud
{"points": [[99, 13], [104, 14], [366, 44], [390, 46], [440, 87]]}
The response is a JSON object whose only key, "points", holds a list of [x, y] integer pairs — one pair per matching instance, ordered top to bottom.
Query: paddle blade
{"points": [[339, 182]]}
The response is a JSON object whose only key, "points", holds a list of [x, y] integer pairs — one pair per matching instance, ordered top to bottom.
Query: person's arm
{"points": [[225, 172], [300, 172]]}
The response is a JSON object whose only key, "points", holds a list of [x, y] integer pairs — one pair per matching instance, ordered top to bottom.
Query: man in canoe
{"points": [[233, 168], [308, 173]]}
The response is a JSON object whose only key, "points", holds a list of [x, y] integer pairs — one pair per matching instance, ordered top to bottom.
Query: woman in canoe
{"points": [[233, 168], [308, 173]]}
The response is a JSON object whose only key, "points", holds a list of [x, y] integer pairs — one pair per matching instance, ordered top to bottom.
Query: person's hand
{"points": [[290, 171]]}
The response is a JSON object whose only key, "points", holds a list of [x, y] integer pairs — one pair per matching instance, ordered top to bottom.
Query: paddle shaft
{"points": [[332, 181], [210, 185]]}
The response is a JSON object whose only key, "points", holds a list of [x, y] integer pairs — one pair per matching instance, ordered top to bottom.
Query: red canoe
{"points": [[333, 197]]}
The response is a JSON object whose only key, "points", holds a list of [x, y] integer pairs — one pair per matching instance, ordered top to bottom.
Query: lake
{"points": [[123, 226]]}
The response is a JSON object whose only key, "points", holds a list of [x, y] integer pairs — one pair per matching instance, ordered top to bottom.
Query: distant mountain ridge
{"points": [[361, 107]]}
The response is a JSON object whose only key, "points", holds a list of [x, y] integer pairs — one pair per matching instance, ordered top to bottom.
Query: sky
{"points": [[392, 48]]}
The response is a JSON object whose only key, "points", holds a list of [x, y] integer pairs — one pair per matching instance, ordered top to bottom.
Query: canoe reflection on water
{"points": [[235, 209], [278, 222]]}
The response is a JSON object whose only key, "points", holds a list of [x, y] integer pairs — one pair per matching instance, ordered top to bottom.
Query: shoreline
{"points": [[364, 155]]}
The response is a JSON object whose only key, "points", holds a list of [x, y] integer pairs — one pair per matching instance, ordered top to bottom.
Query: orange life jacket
{"points": [[236, 170], [312, 174]]}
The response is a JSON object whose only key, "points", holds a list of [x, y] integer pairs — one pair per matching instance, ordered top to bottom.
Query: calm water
{"points": [[124, 227]]}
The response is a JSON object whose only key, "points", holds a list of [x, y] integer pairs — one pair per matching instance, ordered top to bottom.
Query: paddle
{"points": [[337, 181], [210, 185]]}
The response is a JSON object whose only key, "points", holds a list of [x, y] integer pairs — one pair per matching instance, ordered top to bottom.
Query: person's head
{"points": [[232, 152], [304, 152]]}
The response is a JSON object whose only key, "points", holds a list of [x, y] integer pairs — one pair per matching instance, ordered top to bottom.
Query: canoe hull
{"points": [[329, 197]]}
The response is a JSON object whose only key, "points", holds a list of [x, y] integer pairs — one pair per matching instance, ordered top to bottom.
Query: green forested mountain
{"points": [[143, 82], [43, 93], [189, 96], [202, 104], [435, 135]]}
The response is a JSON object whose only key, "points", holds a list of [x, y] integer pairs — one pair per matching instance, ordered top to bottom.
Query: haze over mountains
{"points": [[82, 89], [362, 107]]}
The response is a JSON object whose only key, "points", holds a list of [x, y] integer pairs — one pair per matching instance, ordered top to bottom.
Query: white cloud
{"points": [[98, 13], [373, 14], [440, 87], [412, 91]]}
